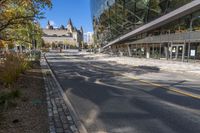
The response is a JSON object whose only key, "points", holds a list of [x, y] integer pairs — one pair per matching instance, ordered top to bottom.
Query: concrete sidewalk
{"points": [[171, 66]]}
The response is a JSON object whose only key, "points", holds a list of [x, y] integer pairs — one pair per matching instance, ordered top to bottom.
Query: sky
{"points": [[62, 10]]}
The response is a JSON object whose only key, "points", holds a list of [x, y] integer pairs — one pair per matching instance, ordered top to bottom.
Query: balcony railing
{"points": [[193, 36]]}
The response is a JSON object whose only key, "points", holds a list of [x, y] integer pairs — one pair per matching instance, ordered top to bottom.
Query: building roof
{"points": [[70, 22], [57, 32], [57, 39]]}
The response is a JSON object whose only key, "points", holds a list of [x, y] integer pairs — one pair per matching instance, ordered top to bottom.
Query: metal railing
{"points": [[193, 36]]}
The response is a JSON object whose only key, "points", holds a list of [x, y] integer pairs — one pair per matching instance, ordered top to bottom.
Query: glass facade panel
{"points": [[114, 18]]}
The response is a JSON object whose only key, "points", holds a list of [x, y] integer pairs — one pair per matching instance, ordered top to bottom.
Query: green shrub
{"points": [[35, 55]]}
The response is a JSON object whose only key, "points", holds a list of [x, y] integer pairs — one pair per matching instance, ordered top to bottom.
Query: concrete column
{"points": [[20, 48], [111, 49], [129, 50], [136, 50], [160, 50], [171, 50], [147, 52], [166, 52], [176, 52], [183, 53], [188, 57]]}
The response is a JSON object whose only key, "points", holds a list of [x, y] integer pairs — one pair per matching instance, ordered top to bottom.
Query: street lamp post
{"points": [[34, 44]]}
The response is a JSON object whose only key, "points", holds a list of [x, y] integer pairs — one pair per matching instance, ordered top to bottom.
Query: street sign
{"points": [[192, 53]]}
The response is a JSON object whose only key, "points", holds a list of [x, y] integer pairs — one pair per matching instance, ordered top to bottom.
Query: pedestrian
{"points": [[60, 49]]}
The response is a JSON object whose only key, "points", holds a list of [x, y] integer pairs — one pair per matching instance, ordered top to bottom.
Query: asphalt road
{"points": [[108, 102]]}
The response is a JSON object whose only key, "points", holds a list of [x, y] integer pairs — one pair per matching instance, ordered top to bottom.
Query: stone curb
{"points": [[75, 125]]}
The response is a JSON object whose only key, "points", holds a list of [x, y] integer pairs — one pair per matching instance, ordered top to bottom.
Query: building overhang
{"points": [[178, 13], [190, 36]]}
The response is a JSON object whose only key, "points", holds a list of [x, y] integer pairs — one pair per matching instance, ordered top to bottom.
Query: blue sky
{"points": [[77, 10]]}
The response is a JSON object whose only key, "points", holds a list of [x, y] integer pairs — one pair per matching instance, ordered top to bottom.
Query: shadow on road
{"points": [[118, 102]]}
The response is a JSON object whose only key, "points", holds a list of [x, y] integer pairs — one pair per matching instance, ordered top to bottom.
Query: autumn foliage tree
{"points": [[18, 19]]}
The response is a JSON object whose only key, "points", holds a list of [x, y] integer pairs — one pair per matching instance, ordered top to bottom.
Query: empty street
{"points": [[107, 101]]}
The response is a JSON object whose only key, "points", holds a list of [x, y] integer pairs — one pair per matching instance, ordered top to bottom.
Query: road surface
{"points": [[108, 102]]}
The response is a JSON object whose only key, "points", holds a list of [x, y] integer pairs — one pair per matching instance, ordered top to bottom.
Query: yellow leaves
{"points": [[26, 3], [9, 13], [13, 14], [16, 20], [3, 44]]}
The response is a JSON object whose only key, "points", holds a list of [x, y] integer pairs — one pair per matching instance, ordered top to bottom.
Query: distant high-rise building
{"points": [[88, 38]]}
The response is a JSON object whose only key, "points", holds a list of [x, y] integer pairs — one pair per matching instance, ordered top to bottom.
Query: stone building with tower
{"points": [[65, 37]]}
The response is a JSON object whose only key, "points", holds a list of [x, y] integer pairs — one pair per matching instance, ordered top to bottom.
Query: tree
{"points": [[13, 12], [18, 17], [23, 34], [2, 44]]}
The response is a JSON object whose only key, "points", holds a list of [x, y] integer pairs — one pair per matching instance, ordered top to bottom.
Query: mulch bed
{"points": [[30, 113]]}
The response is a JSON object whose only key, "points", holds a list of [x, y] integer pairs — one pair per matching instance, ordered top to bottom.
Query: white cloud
{"points": [[52, 23]]}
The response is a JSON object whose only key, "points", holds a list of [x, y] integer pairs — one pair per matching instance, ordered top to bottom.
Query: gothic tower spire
{"points": [[70, 22], [48, 23], [49, 26], [70, 27], [81, 29]]}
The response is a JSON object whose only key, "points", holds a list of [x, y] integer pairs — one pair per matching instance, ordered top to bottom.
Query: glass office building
{"points": [[148, 28]]}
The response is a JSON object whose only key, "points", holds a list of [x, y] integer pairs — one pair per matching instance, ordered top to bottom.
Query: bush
{"points": [[45, 49], [35, 55], [12, 67]]}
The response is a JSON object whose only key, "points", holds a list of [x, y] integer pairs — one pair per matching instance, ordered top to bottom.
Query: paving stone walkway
{"points": [[60, 119]]}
